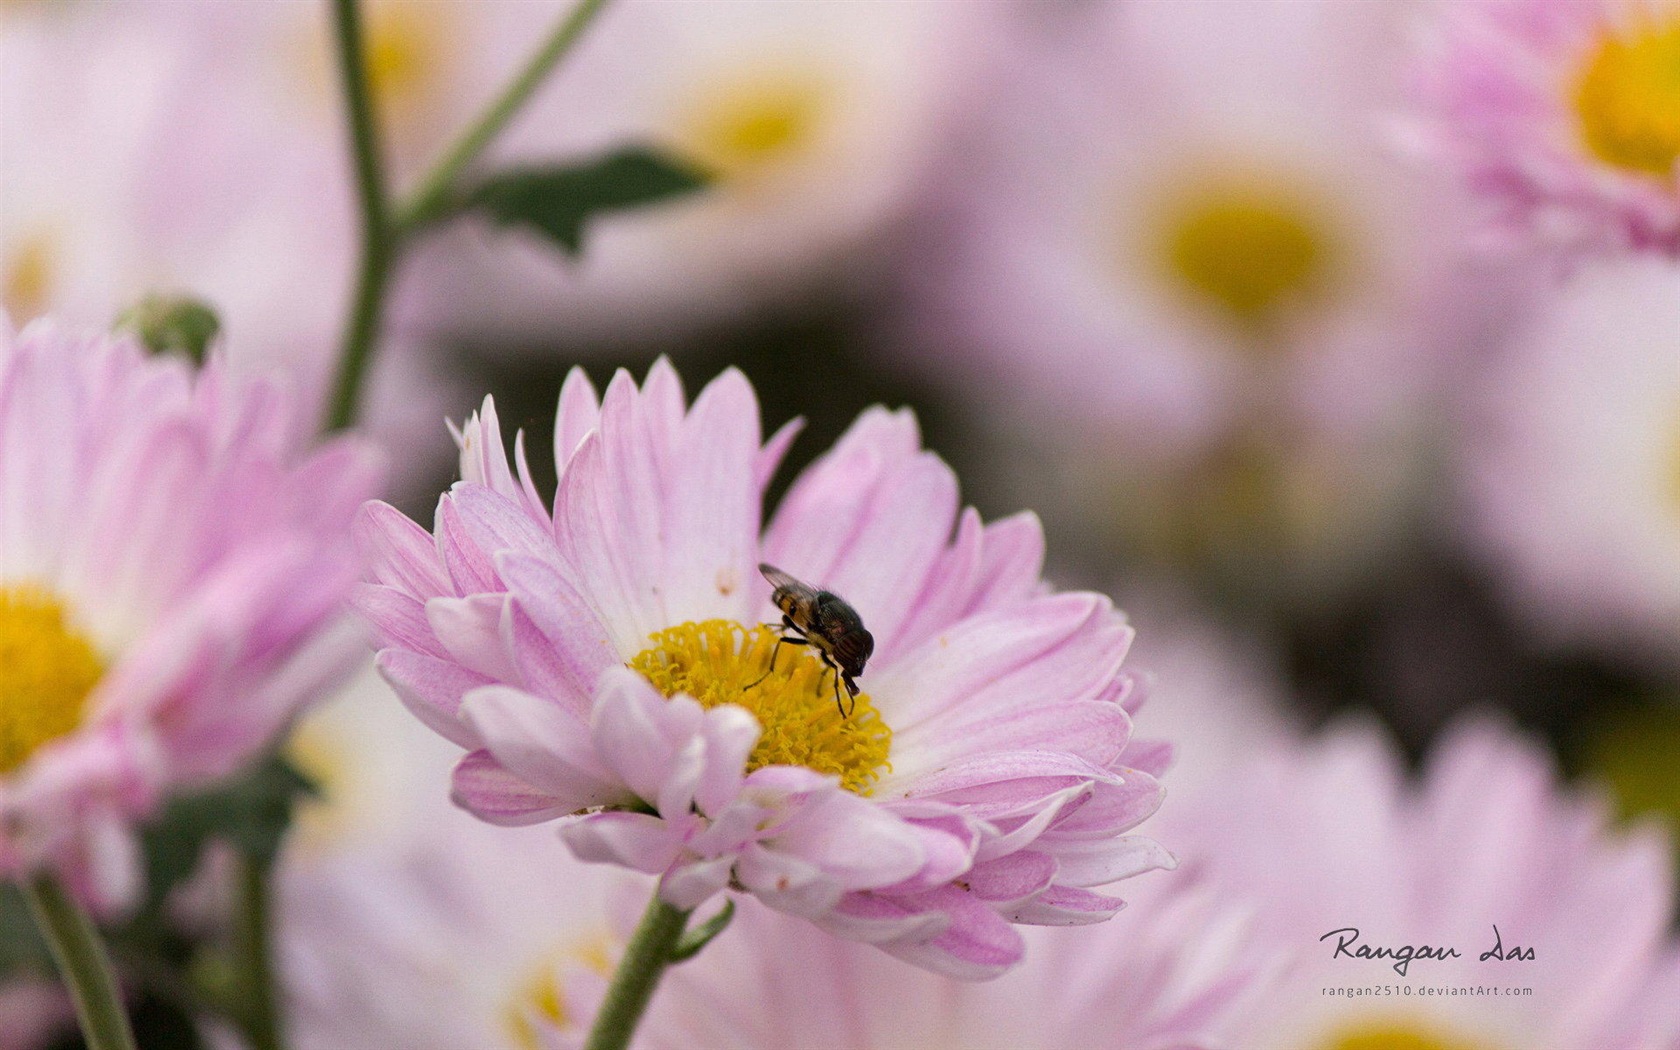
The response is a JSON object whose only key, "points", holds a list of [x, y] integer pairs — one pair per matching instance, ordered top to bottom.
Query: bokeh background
{"points": [[1194, 279]]}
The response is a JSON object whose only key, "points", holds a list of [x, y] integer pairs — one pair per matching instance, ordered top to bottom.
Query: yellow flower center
{"points": [[406, 47], [1627, 96], [748, 123], [1249, 247], [26, 283], [1672, 481], [718, 662], [47, 671], [326, 759], [538, 1003], [1402, 1034]]}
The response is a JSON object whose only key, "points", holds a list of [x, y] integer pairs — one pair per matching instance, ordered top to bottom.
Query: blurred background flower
{"points": [[1560, 114], [146, 152], [1176, 230]]}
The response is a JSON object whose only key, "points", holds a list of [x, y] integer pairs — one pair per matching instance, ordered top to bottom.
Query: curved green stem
{"points": [[434, 198], [384, 233], [379, 240], [650, 952], [256, 959], [83, 962]]}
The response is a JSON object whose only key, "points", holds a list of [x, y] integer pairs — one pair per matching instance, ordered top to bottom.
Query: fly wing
{"points": [[782, 581], [791, 596]]}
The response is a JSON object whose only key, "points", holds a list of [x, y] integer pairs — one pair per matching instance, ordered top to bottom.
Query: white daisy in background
{"points": [[1560, 115], [815, 119], [123, 175], [1176, 230], [1570, 462], [1218, 695], [375, 773], [1329, 835], [462, 937], [1181, 970]]}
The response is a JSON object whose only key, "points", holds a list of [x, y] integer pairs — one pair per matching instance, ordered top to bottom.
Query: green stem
{"points": [[434, 198], [384, 233], [379, 239], [645, 960], [82, 961], [256, 961]]}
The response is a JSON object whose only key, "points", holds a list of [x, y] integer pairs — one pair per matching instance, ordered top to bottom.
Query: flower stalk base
{"points": [[650, 952], [83, 962]]}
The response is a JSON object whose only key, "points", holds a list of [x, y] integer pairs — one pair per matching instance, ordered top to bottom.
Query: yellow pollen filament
{"points": [[1627, 96], [748, 123], [1246, 246], [27, 281], [714, 662], [47, 671], [1401, 1034]]}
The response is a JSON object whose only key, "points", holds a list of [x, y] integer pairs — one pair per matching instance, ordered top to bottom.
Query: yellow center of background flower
{"points": [[406, 45], [1628, 98], [748, 123], [1249, 247], [27, 280], [1671, 482], [715, 661], [47, 671], [323, 756], [538, 1003], [1397, 1035]]}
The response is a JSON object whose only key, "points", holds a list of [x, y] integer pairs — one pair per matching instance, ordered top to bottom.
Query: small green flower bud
{"points": [[172, 324]]}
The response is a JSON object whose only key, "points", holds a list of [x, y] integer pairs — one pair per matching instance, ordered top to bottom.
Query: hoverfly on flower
{"points": [[827, 623]]}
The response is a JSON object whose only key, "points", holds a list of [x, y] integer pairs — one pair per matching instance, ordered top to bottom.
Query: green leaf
{"points": [[558, 201], [251, 812]]}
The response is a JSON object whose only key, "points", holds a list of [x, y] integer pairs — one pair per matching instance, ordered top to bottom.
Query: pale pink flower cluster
{"points": [[1500, 88], [172, 579], [1011, 776], [1485, 837], [1181, 969]]}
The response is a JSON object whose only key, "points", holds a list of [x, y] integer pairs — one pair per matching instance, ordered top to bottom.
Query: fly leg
{"points": [[775, 650], [839, 705]]}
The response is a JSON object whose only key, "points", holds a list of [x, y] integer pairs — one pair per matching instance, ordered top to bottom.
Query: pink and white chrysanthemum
{"points": [[1562, 116], [172, 580], [605, 662], [1485, 839], [464, 937], [1180, 970]]}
